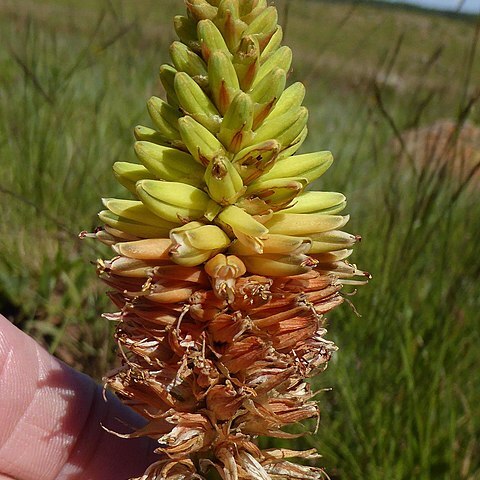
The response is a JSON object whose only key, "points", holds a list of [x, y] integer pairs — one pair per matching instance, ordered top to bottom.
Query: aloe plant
{"points": [[225, 263]]}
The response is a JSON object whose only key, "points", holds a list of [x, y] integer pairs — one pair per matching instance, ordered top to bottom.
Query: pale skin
{"points": [[51, 419]]}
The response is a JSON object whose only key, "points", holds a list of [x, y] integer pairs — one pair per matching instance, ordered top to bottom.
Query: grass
{"points": [[405, 396]]}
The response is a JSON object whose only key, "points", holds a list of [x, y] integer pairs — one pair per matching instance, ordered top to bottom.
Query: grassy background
{"points": [[405, 388]]}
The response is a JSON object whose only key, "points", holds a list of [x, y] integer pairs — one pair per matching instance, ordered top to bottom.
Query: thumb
{"points": [[51, 419]]}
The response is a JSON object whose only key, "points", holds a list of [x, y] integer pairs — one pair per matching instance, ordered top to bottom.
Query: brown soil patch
{"points": [[444, 145]]}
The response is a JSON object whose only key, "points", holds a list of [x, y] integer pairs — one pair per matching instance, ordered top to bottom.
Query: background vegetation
{"points": [[405, 391]]}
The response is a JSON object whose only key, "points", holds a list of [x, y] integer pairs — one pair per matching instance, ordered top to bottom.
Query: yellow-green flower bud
{"points": [[201, 9], [229, 23], [263, 26], [186, 29], [211, 39], [187, 61], [247, 62], [167, 77], [223, 80], [195, 102], [165, 118], [236, 128], [203, 145], [256, 159], [169, 164], [224, 183], [173, 201], [195, 243]]}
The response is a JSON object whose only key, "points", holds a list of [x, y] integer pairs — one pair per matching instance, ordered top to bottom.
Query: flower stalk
{"points": [[225, 263]]}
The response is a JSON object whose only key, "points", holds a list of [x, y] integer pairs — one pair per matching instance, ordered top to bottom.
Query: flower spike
{"points": [[224, 263]]}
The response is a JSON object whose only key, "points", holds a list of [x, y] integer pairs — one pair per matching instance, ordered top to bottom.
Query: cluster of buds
{"points": [[225, 264]]}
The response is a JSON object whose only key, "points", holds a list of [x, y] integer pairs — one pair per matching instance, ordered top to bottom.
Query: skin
{"points": [[51, 417]]}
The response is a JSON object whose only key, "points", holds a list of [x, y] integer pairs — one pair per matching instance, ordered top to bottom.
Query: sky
{"points": [[468, 6]]}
